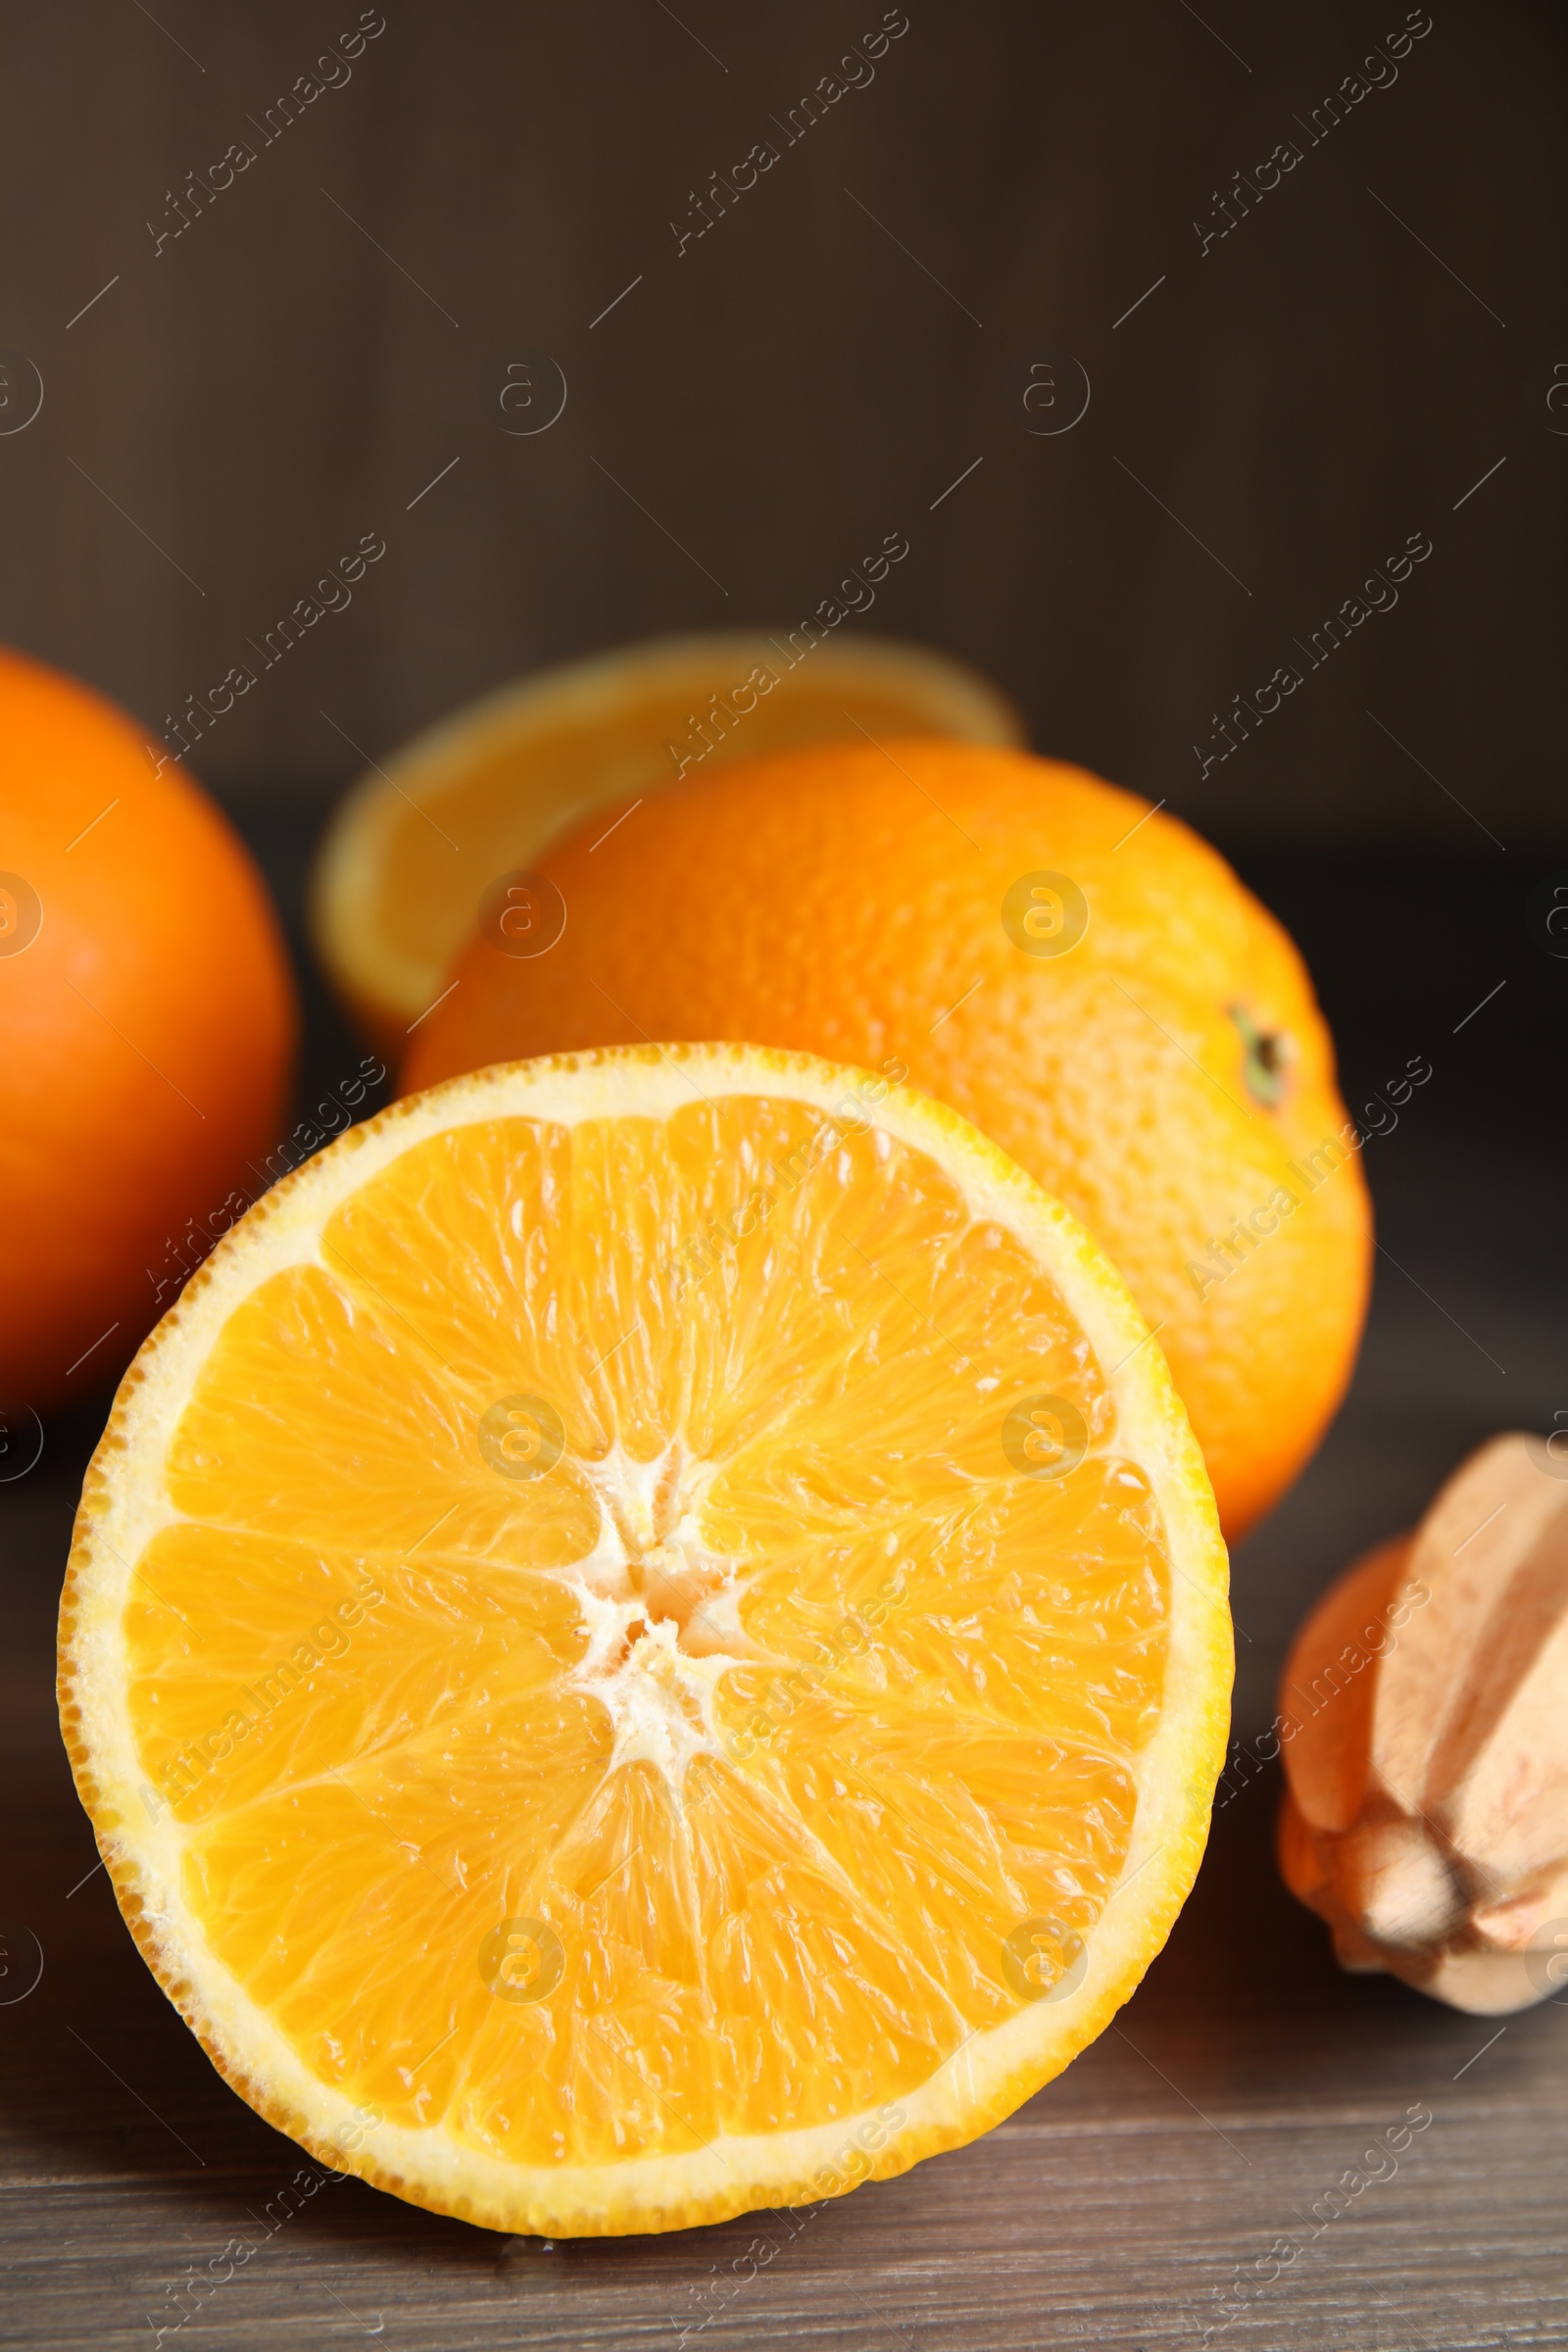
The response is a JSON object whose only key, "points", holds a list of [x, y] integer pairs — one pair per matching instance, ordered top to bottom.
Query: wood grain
{"points": [[1272, 413], [1122, 2207]]}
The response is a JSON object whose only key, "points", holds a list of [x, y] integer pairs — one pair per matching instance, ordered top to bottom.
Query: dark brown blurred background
{"points": [[332, 330], [1368, 355]]}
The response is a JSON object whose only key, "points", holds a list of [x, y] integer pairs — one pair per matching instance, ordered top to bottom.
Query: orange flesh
{"points": [[502, 806], [405, 1695]]}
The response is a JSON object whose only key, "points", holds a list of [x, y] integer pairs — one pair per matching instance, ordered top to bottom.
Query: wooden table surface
{"points": [[1164, 2186]]}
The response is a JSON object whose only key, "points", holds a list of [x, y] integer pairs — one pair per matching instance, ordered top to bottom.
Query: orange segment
{"points": [[423, 836], [304, 1370], [646, 1615], [315, 1657]]}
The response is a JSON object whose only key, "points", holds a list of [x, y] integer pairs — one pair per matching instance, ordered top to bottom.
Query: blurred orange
{"points": [[1080, 976], [148, 1017]]}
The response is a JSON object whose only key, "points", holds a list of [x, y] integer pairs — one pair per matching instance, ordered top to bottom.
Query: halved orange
{"points": [[408, 858], [648, 1639]]}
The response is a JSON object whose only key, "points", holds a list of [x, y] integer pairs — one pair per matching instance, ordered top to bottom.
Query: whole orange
{"points": [[1085, 980], [148, 1016]]}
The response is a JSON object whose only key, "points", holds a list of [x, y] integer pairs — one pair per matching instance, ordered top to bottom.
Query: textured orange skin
{"points": [[842, 899], [157, 946]]}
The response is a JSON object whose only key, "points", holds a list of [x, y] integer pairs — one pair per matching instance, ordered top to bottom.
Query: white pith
{"points": [[662, 1610], [660, 1701]]}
